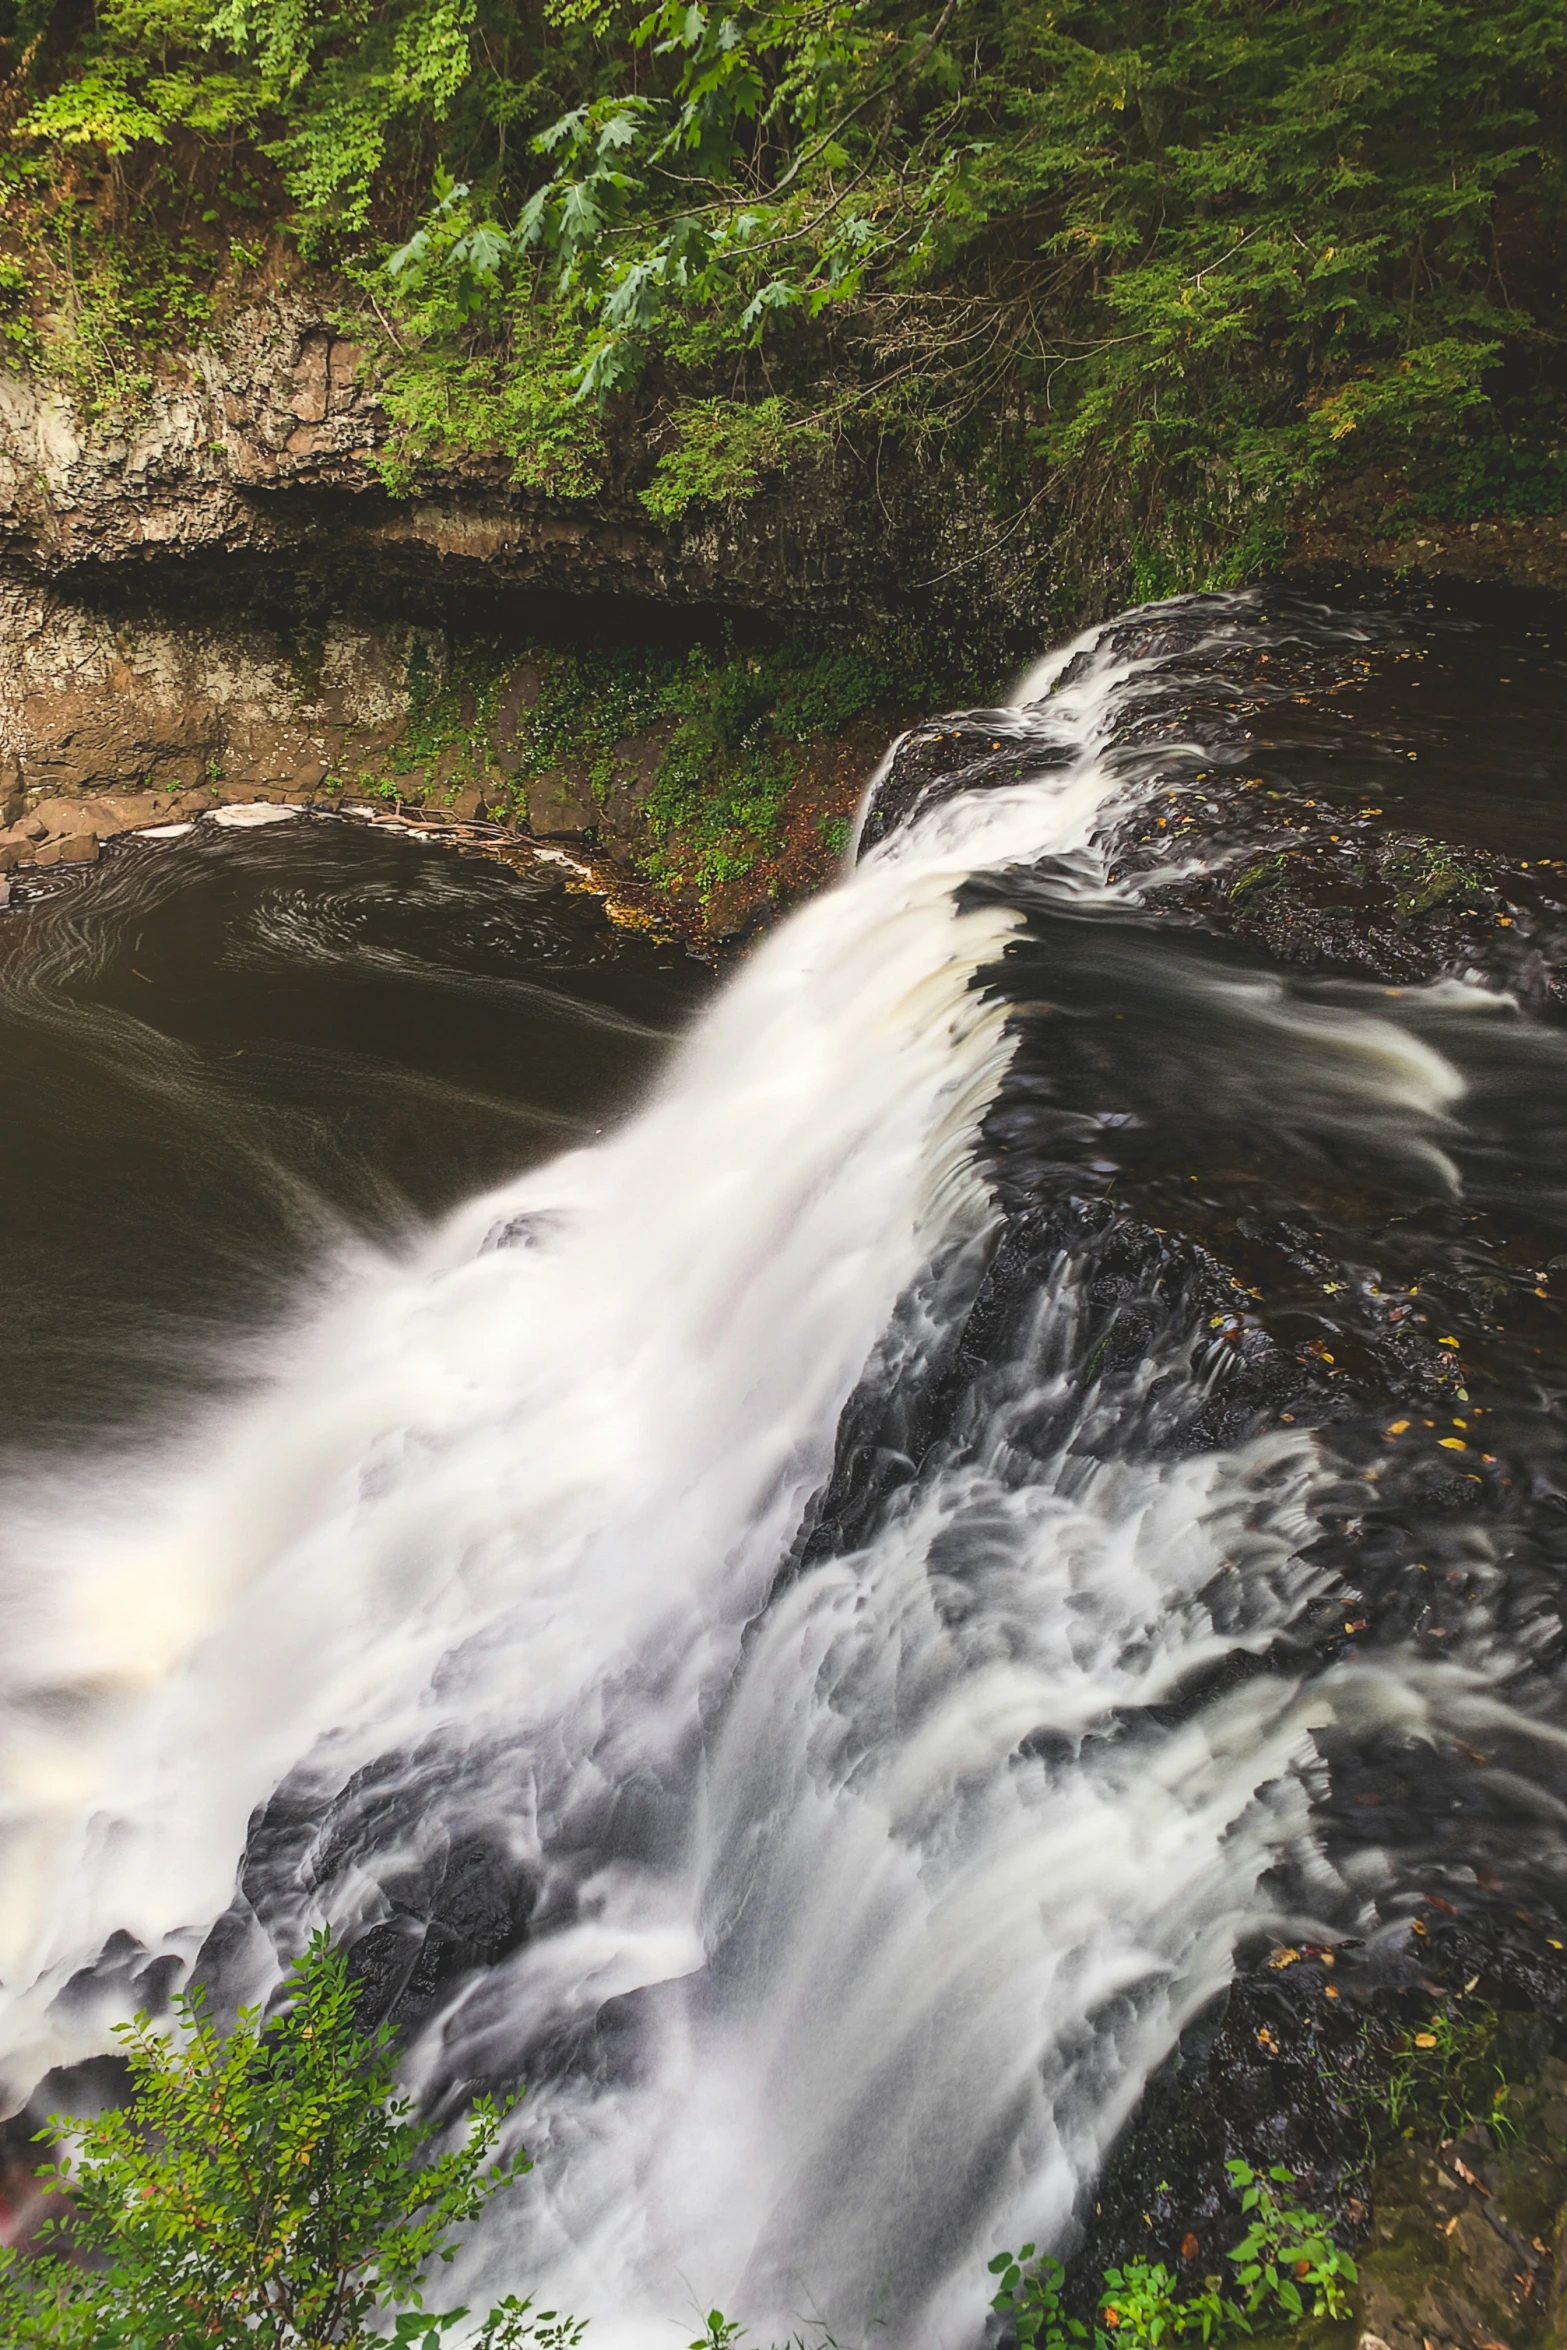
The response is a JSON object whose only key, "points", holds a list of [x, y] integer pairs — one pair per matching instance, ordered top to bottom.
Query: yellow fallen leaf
{"points": [[1398, 1427], [1452, 1444], [1425, 2039]]}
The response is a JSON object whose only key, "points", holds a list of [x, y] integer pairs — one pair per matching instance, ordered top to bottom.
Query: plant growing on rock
{"points": [[267, 2187], [1287, 2255], [1287, 2267]]}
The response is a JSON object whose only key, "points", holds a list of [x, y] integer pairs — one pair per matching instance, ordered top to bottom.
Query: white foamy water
{"points": [[894, 1920]]}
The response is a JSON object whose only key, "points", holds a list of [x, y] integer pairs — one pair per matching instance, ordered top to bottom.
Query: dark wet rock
{"points": [[973, 750]]}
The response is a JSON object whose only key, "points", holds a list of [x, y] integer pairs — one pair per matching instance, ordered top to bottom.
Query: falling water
{"points": [[835, 1891]]}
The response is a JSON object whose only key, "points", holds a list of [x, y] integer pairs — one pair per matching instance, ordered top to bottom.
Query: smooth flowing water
{"points": [[811, 1624]]}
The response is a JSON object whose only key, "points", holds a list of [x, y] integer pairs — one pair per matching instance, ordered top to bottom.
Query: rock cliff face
{"points": [[265, 451], [222, 599]]}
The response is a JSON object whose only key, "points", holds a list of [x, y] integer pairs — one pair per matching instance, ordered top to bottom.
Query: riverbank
{"points": [[712, 779]]}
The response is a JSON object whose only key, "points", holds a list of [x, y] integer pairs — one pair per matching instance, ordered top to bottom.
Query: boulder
{"points": [[560, 806], [67, 819], [80, 849]]}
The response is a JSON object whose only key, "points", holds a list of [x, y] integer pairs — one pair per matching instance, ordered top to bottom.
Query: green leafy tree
{"points": [[1183, 268], [267, 2188]]}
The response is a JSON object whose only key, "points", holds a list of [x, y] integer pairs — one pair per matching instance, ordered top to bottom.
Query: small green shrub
{"points": [[16, 325], [516, 405], [266, 2187], [1287, 2255], [1287, 2266]]}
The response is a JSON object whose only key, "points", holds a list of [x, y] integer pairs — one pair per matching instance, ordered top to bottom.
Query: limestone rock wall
{"points": [[101, 700]]}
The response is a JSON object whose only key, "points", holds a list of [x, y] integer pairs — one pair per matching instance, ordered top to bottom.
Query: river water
{"points": [[802, 1566]]}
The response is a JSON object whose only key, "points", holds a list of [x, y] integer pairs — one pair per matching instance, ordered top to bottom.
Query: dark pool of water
{"points": [[221, 1056]]}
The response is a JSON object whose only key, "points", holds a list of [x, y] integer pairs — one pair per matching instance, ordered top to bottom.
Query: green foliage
{"points": [[343, 81], [136, 83], [99, 108], [1209, 246], [1180, 265], [112, 310], [16, 325], [513, 397], [723, 451], [450, 711], [729, 718], [1429, 874], [1435, 2081], [267, 2187], [1287, 2258], [1287, 2266], [1028, 2292], [1141, 2305], [719, 2333]]}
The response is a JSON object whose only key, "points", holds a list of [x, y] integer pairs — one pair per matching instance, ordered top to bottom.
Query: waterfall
{"points": [[837, 1906]]}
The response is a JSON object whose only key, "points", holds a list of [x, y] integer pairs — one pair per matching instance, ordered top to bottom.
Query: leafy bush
{"points": [[16, 326], [267, 2187], [1287, 2255], [1285, 2261]]}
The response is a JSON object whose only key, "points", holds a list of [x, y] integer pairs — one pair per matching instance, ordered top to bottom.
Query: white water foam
{"points": [[248, 815], [513, 1509]]}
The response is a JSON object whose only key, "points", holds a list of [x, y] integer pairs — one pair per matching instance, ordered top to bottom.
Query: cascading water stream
{"points": [[836, 1896]]}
